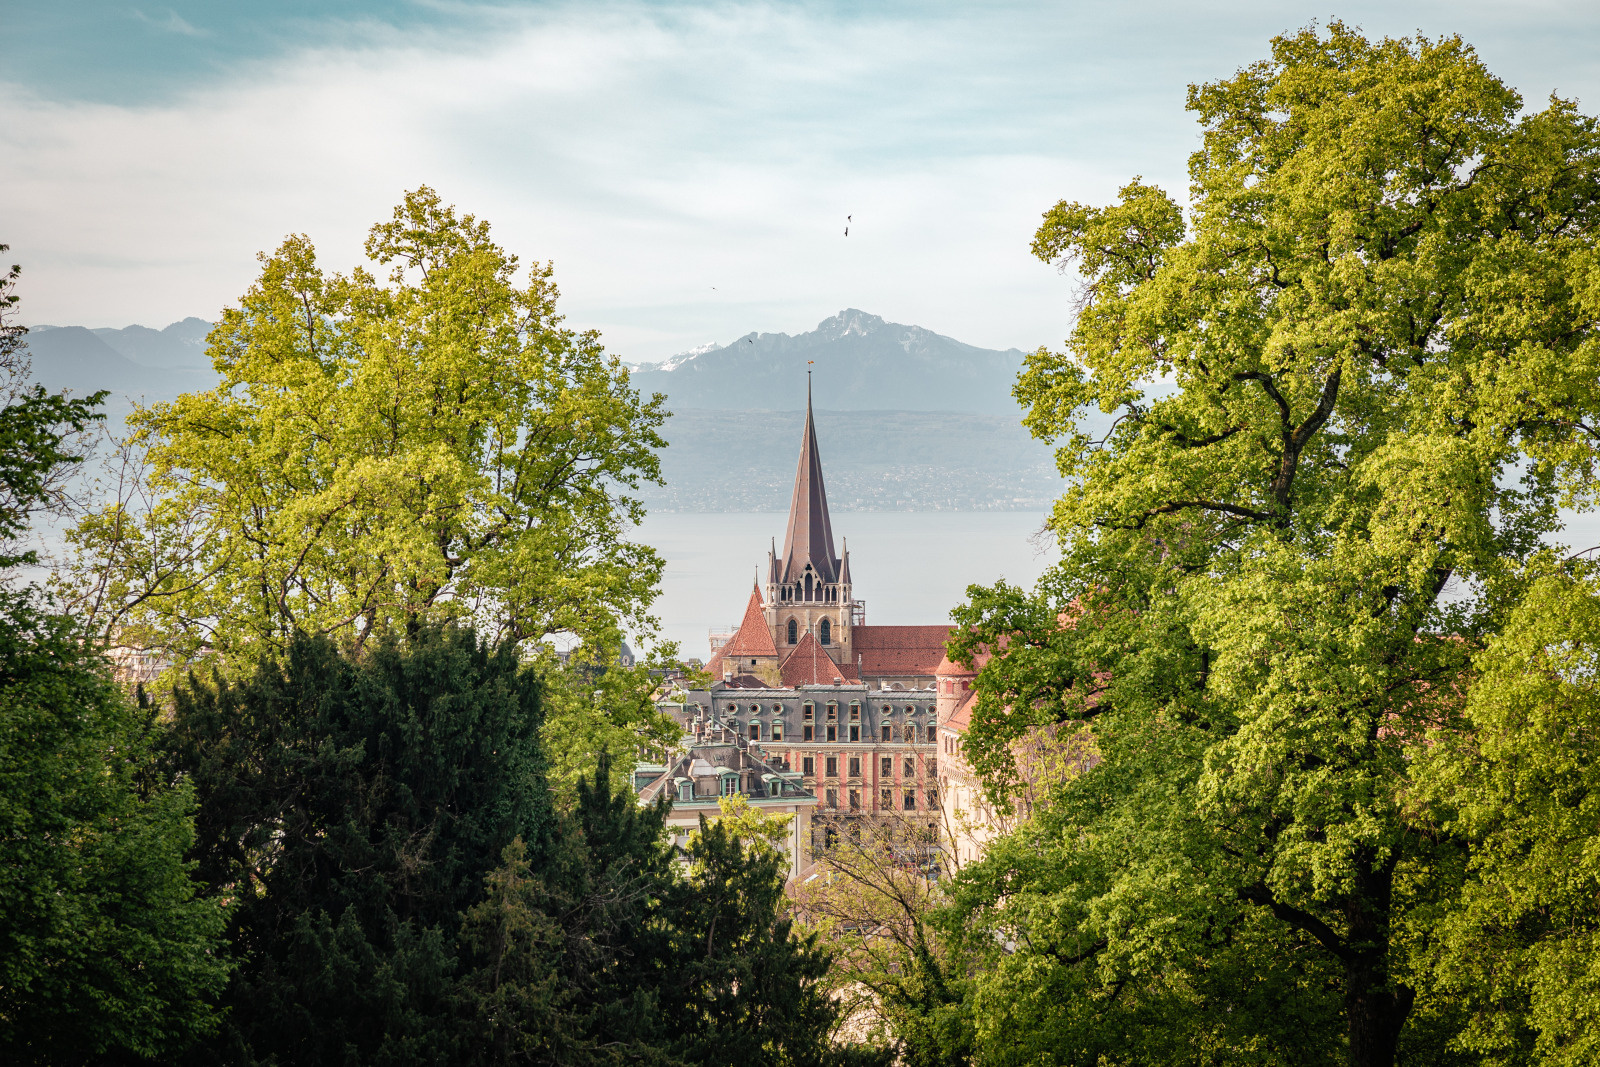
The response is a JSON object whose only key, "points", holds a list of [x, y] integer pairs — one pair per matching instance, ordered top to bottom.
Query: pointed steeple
{"points": [[810, 535]]}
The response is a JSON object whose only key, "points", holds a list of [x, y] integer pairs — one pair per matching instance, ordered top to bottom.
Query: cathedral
{"points": [[804, 626], [811, 710]]}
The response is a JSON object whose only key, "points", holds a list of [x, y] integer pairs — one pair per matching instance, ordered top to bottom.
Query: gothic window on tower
{"points": [[794, 631], [826, 632]]}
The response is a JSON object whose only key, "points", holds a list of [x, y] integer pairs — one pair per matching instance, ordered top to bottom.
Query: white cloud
{"points": [[652, 151]]}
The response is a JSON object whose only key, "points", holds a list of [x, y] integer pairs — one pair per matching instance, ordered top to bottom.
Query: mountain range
{"points": [[136, 360], [859, 362], [908, 420]]}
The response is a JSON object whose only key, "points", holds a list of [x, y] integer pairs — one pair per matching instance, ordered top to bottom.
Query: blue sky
{"points": [[688, 167]]}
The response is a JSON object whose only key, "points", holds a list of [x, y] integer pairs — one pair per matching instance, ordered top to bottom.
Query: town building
{"points": [[813, 688], [699, 777]]}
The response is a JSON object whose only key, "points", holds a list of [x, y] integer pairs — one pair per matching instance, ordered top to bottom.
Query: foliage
{"points": [[1353, 385], [39, 433], [433, 445], [590, 710], [1524, 788], [352, 809], [758, 831], [409, 893], [875, 907], [104, 947]]}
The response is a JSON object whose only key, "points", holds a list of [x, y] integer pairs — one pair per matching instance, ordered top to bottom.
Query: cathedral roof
{"points": [[809, 538], [751, 639], [900, 650], [809, 664]]}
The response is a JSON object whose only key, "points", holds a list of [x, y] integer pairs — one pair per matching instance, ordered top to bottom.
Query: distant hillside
{"points": [[135, 361], [861, 363], [912, 421], [872, 461]]}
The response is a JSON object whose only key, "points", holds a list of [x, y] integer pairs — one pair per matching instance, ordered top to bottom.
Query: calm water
{"points": [[910, 567]]}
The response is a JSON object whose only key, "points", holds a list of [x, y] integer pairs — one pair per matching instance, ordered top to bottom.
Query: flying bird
{"points": [[847, 231]]}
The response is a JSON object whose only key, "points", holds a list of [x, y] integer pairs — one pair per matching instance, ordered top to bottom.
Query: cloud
{"points": [[171, 22], [653, 151]]}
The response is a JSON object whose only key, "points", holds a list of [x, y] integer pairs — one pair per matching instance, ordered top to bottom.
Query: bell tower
{"points": [[808, 587]]}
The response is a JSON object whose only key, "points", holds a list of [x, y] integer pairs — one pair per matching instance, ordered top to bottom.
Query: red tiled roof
{"points": [[751, 639], [900, 650], [808, 664]]}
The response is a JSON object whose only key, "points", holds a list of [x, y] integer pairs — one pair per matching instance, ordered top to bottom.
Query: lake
{"points": [[910, 567]]}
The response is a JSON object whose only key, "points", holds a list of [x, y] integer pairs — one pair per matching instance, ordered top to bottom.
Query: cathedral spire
{"points": [[810, 535]]}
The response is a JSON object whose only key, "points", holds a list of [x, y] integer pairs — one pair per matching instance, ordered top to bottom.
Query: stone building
{"points": [[810, 685], [701, 775]]}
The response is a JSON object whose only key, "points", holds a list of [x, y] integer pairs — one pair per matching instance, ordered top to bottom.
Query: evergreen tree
{"points": [[352, 809]]}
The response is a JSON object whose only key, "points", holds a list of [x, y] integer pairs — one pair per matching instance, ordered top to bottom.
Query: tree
{"points": [[1352, 384], [40, 434], [379, 453], [1522, 785], [352, 810], [876, 909], [104, 948]]}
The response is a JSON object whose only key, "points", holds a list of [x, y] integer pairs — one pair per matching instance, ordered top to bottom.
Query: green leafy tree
{"points": [[1353, 383], [40, 434], [381, 452], [1522, 784], [352, 809], [104, 949]]}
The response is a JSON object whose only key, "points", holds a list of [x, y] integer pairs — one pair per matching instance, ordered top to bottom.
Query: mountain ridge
{"points": [[861, 362]]}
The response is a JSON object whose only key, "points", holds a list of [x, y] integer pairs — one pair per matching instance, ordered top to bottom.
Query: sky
{"points": [[687, 167]]}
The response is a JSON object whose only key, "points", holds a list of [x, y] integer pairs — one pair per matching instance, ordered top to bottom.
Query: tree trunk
{"points": [[1376, 1008]]}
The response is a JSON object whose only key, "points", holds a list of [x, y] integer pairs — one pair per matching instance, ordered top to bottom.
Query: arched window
{"points": [[794, 631], [826, 632]]}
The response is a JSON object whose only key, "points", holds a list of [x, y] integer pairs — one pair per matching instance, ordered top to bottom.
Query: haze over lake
{"points": [[910, 567]]}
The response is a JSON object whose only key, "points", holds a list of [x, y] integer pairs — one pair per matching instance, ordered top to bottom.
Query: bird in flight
{"points": [[847, 219]]}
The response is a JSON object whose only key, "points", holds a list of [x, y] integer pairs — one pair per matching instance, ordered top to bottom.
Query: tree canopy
{"points": [[1353, 381], [431, 444]]}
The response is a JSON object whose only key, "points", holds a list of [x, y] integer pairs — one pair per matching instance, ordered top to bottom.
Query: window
{"points": [[794, 631], [825, 632], [732, 708], [755, 709], [886, 709], [833, 712], [855, 712], [808, 714], [777, 730], [755, 731], [806, 731], [833, 732], [855, 732], [886, 732], [911, 733], [808, 766], [833, 766], [855, 766], [885, 766], [933, 766], [908, 767], [730, 785], [833, 798], [886, 799], [910, 799], [933, 799], [855, 800]]}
